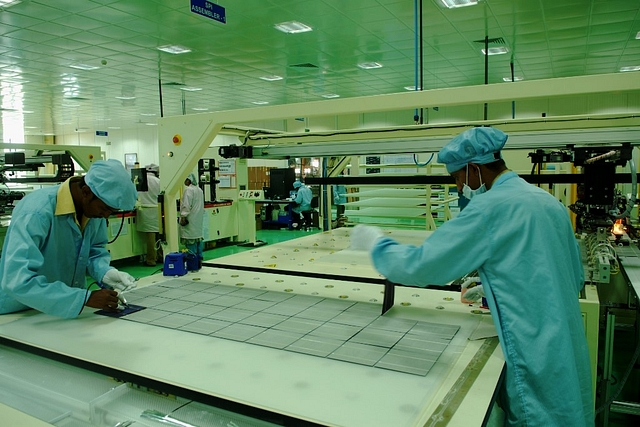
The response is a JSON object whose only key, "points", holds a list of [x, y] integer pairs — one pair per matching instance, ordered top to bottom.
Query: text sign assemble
{"points": [[208, 9]]}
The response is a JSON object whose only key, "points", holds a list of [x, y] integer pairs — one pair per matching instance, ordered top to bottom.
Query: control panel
{"points": [[251, 195]]}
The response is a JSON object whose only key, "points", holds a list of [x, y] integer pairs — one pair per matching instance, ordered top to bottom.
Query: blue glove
{"points": [[364, 237], [119, 280]]}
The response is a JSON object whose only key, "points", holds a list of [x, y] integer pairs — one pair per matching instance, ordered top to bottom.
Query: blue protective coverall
{"points": [[303, 200], [521, 241], [46, 257]]}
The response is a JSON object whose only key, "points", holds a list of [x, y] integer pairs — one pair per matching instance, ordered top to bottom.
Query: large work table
{"points": [[260, 381]]}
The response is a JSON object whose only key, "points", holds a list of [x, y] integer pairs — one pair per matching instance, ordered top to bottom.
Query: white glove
{"points": [[364, 237], [119, 280], [468, 281], [474, 294]]}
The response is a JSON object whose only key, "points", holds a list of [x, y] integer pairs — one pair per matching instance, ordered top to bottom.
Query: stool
{"points": [[307, 219]]}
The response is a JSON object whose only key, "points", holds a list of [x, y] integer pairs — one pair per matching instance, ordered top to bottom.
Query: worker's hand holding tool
{"points": [[364, 237], [119, 280], [470, 291], [104, 299]]}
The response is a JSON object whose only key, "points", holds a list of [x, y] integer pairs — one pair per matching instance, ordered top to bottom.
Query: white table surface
{"points": [[321, 390]]}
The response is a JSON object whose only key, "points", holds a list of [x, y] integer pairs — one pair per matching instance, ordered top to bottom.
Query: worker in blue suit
{"points": [[301, 202], [57, 236], [520, 240]]}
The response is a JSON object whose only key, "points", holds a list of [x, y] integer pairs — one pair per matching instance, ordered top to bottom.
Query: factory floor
{"points": [[135, 267], [623, 343]]}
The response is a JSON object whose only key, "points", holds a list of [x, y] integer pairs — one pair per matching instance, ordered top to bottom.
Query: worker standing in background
{"points": [[339, 199], [301, 201], [147, 214], [191, 217], [57, 236], [520, 239]]}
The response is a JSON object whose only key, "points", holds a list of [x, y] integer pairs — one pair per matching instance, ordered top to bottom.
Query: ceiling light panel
{"points": [[454, 4], [293, 27], [174, 49], [498, 50], [369, 65], [84, 67], [271, 78]]}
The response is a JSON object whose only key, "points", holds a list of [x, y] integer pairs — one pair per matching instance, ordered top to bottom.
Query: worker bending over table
{"points": [[57, 236]]}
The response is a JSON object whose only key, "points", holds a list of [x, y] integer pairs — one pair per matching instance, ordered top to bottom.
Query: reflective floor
{"points": [[136, 268]]}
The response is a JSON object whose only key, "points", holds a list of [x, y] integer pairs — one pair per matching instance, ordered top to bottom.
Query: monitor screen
{"points": [[139, 178], [281, 182]]}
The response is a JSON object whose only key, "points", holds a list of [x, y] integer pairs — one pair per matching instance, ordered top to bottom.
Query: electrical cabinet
{"points": [[221, 221], [130, 241]]}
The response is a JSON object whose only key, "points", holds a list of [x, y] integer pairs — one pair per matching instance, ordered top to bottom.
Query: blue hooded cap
{"points": [[479, 145], [193, 179], [112, 184], [297, 184]]}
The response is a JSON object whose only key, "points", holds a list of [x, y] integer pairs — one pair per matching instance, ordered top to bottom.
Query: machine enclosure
{"points": [[175, 264]]}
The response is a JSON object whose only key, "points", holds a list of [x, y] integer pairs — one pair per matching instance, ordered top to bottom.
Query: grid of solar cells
{"points": [[336, 329]]}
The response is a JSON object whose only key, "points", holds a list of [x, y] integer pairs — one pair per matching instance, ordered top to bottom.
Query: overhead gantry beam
{"points": [[183, 140]]}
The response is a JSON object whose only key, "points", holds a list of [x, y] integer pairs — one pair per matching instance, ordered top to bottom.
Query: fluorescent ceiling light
{"points": [[7, 3], [452, 4], [293, 27], [638, 35], [174, 49], [501, 50], [369, 65], [83, 67], [636, 68], [272, 78], [515, 79], [190, 88], [411, 88], [331, 95], [125, 97], [260, 102], [200, 109], [147, 114], [151, 124], [30, 127], [114, 127]]}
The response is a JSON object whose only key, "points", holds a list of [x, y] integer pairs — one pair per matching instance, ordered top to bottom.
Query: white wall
{"points": [[142, 140]]}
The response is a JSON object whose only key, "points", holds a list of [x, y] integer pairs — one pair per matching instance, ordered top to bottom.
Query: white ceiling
{"points": [[41, 39]]}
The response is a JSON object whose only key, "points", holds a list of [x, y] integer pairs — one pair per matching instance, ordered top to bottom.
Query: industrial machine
{"points": [[215, 366]]}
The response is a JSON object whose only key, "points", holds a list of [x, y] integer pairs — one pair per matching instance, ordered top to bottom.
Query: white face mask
{"points": [[468, 192]]}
